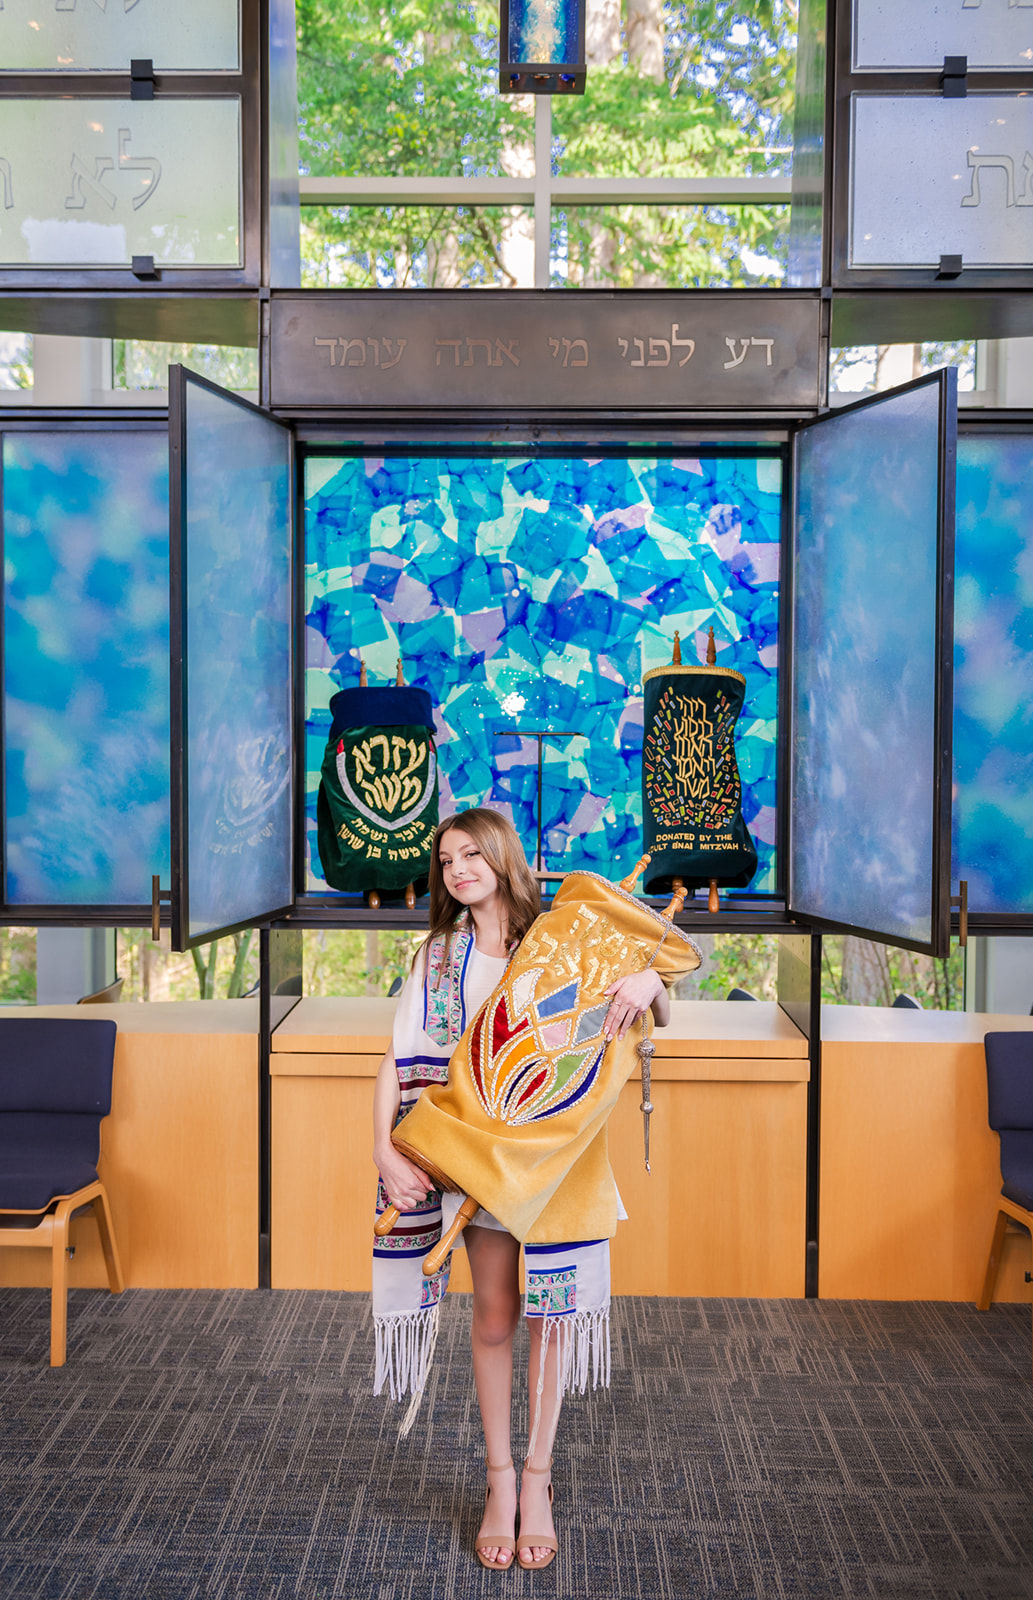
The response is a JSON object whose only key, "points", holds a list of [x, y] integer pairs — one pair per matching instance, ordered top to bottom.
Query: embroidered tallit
{"points": [[450, 983], [432, 1012]]}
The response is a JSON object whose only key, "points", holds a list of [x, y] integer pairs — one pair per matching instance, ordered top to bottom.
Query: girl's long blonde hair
{"points": [[497, 840]]}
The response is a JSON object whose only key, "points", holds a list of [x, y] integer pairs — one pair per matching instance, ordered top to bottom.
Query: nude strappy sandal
{"points": [[495, 1541], [546, 1541]]}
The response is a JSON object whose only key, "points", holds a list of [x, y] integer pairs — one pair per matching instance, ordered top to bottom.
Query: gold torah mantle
{"points": [[521, 1123]]}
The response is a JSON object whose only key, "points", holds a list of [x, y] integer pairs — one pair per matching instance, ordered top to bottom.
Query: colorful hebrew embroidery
{"points": [[432, 1290], [552, 1293]]}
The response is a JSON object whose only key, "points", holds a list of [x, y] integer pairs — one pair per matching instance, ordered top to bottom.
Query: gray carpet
{"points": [[209, 1444]]}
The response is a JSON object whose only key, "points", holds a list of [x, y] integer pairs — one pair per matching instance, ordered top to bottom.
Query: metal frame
{"points": [[846, 83], [246, 84], [144, 420], [179, 774], [940, 866], [323, 908]]}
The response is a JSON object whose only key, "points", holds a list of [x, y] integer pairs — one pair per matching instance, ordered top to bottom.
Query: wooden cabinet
{"points": [[721, 1214]]}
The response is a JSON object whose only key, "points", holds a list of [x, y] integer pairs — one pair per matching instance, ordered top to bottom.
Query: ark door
{"points": [[231, 610], [871, 649]]}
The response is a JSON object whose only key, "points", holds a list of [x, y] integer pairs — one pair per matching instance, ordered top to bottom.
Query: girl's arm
{"points": [[631, 998], [404, 1183]]}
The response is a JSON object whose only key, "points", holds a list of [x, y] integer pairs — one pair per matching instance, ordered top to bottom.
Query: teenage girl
{"points": [[479, 878]]}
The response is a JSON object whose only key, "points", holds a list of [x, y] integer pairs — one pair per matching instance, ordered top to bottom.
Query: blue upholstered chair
{"points": [[1009, 1077], [55, 1089]]}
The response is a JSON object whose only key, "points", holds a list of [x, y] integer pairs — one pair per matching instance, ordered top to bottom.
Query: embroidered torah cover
{"points": [[691, 791], [377, 806], [521, 1123]]}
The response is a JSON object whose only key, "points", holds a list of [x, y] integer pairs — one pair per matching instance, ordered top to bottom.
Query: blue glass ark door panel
{"points": [[86, 650], [993, 673], [871, 691], [232, 741]]}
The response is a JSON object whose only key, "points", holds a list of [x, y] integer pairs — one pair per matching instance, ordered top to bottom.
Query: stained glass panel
{"points": [[543, 31], [534, 593], [86, 666], [993, 673]]}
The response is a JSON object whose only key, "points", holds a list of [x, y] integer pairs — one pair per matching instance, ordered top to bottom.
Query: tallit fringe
{"points": [[583, 1342], [405, 1343]]}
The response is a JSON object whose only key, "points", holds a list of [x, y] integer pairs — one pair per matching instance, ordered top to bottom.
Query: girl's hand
{"points": [[631, 999], [405, 1184]]}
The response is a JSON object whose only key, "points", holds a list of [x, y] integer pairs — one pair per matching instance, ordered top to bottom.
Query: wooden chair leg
{"points": [[106, 1229], [993, 1262], [59, 1284]]}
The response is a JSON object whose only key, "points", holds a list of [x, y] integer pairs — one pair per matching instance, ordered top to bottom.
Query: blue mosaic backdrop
{"points": [[534, 593], [86, 666], [993, 673]]}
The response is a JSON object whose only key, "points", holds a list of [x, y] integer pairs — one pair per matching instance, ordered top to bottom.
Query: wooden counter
{"points": [[179, 1152], [910, 1170], [721, 1214]]}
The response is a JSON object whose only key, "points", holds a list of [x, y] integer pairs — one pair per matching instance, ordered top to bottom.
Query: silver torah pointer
{"points": [[646, 1049]]}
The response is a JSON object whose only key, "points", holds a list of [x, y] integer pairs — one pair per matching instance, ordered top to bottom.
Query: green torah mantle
{"points": [[378, 792]]}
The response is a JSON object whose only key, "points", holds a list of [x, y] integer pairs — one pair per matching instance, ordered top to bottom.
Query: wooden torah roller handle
{"points": [[389, 1219], [386, 1221], [435, 1259]]}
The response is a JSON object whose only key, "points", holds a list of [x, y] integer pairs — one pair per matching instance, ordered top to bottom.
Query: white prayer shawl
{"points": [[567, 1285]]}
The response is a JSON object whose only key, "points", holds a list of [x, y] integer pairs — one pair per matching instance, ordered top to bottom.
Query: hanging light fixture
{"points": [[542, 46]]}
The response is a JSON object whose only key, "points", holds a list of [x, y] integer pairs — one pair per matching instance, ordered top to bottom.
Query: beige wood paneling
{"points": [[179, 1161], [910, 1167], [324, 1184], [723, 1210], [722, 1213]]}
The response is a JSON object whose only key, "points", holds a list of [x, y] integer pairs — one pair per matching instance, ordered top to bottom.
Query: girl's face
{"points": [[468, 877]]}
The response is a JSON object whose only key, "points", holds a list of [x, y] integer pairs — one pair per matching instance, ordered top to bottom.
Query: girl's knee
{"points": [[495, 1322]]}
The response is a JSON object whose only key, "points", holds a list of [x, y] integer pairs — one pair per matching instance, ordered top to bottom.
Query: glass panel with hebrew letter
{"points": [[106, 35], [915, 35], [933, 176], [93, 183], [86, 649], [865, 667], [238, 742]]}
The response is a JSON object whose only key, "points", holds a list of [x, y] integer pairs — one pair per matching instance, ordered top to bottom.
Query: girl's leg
{"points": [[494, 1261], [535, 1505]]}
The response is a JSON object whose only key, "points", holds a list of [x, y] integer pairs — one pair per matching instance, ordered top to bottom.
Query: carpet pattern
{"points": [[210, 1444]]}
